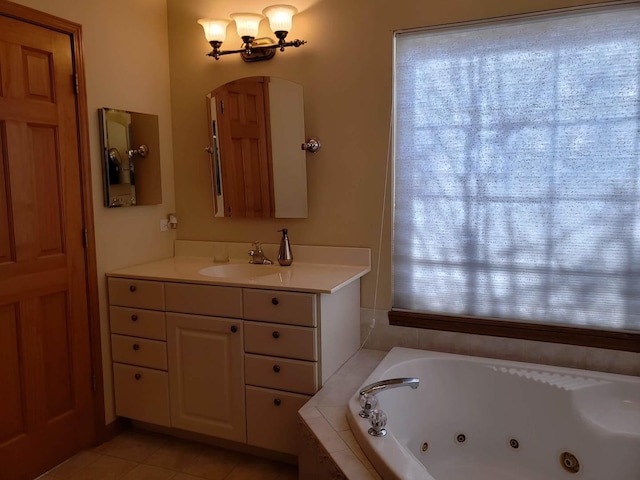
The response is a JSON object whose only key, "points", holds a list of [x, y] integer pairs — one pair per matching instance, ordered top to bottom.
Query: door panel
{"points": [[7, 251], [45, 356], [11, 395]]}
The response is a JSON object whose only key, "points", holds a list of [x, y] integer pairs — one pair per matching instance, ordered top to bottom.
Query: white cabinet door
{"points": [[206, 375]]}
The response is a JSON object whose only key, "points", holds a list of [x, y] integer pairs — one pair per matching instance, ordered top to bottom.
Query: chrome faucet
{"points": [[257, 255], [368, 399]]}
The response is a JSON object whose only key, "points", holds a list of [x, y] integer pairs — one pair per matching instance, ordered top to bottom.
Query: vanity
{"points": [[232, 350]]}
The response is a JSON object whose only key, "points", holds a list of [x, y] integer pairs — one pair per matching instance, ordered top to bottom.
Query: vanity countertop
{"points": [[301, 276]]}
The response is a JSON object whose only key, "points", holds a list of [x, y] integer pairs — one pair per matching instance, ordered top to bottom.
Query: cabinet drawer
{"points": [[136, 293], [204, 300], [280, 307], [138, 323], [280, 340], [139, 351], [282, 374], [141, 394], [272, 419]]}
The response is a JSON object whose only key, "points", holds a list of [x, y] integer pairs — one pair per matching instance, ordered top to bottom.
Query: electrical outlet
{"points": [[164, 225]]}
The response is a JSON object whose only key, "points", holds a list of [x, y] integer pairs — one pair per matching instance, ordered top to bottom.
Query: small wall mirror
{"points": [[256, 129], [131, 158]]}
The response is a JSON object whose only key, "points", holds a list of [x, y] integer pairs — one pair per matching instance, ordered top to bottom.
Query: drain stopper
{"points": [[461, 438], [513, 443]]}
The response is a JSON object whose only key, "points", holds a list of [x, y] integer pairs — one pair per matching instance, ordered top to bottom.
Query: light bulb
{"points": [[280, 17], [247, 24], [215, 30]]}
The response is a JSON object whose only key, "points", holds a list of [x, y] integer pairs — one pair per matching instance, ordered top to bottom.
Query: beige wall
{"points": [[126, 65], [346, 71]]}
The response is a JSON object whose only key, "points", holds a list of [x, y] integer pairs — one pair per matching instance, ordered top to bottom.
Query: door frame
{"points": [[74, 30]]}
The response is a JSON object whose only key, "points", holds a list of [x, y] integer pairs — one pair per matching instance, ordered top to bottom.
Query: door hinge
{"points": [[76, 83], [221, 106], [85, 238], [94, 387]]}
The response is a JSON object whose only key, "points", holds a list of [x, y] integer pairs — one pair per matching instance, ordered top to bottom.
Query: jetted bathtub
{"points": [[475, 418]]}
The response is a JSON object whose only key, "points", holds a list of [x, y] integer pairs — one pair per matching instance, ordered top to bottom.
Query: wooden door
{"points": [[245, 150], [206, 375], [46, 399]]}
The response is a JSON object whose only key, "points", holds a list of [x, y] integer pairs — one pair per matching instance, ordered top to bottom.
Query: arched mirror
{"points": [[256, 129]]}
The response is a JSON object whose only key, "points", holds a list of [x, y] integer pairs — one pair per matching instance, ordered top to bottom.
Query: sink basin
{"points": [[240, 270]]}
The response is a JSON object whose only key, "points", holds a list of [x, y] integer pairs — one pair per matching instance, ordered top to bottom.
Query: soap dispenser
{"points": [[285, 258]]}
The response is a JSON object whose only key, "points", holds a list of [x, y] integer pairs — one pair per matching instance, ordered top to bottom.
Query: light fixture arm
{"points": [[251, 47]]}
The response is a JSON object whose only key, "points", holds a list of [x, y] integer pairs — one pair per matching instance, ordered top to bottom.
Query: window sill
{"points": [[613, 340]]}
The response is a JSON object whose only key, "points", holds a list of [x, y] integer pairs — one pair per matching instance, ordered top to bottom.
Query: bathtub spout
{"points": [[368, 393]]}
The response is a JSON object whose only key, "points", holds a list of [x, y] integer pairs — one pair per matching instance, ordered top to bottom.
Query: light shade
{"points": [[280, 17], [247, 23], [215, 30]]}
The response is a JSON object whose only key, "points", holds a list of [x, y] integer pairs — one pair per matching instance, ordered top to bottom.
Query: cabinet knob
{"points": [[132, 288], [275, 300], [134, 318], [234, 329], [275, 334], [136, 347], [276, 368], [137, 376], [277, 402]]}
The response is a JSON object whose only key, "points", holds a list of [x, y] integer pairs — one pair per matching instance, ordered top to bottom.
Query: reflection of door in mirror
{"points": [[256, 127]]}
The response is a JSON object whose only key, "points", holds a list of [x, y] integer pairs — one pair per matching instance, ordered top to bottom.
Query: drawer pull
{"points": [[132, 288], [275, 300], [134, 318], [234, 329], [275, 334], [136, 347], [276, 368], [137, 376], [277, 402]]}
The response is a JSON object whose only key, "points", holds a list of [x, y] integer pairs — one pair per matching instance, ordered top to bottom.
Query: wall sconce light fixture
{"points": [[253, 49]]}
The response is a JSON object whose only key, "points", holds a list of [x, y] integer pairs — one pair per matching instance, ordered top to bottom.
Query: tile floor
{"points": [[140, 455]]}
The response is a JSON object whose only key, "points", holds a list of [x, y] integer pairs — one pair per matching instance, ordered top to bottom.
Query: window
{"points": [[517, 178]]}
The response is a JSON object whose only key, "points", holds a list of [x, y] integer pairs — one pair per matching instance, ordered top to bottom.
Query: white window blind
{"points": [[517, 170]]}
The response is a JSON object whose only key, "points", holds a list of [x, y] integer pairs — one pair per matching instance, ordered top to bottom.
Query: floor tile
{"points": [[133, 445], [140, 455], [176, 455], [75, 463], [213, 463], [104, 468], [258, 469], [148, 472], [184, 476]]}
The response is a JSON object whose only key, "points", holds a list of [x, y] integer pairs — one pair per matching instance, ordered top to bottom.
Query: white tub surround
{"points": [[232, 356], [487, 419], [329, 449]]}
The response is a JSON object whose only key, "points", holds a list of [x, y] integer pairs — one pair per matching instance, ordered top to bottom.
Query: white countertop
{"points": [[300, 276]]}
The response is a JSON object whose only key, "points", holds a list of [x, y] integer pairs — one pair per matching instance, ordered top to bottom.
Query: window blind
{"points": [[517, 170]]}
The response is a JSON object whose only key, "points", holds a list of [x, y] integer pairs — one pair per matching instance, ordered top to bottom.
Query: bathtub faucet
{"points": [[368, 399]]}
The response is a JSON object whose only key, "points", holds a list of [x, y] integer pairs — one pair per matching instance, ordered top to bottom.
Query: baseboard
{"points": [[113, 429], [218, 442]]}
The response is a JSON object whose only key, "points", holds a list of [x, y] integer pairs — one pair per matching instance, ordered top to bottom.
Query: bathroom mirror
{"points": [[256, 129], [131, 158]]}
